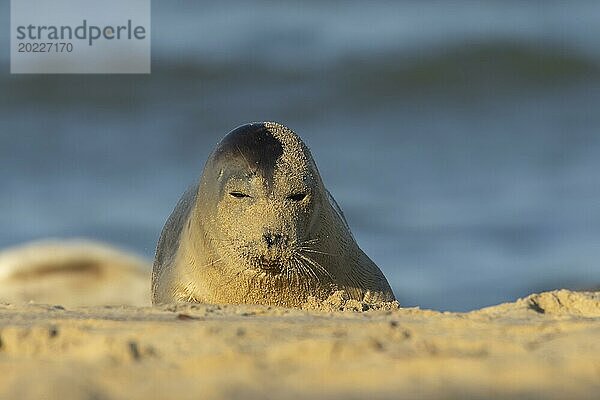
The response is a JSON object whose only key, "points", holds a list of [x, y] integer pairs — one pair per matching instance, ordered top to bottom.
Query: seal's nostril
{"points": [[269, 239], [276, 239]]}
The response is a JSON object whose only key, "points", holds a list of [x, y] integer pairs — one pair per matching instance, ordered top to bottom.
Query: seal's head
{"points": [[264, 196]]}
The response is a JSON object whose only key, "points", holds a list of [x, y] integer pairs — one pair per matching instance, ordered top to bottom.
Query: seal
{"points": [[261, 228], [73, 272]]}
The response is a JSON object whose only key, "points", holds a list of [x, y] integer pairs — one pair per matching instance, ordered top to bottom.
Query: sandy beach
{"points": [[543, 346]]}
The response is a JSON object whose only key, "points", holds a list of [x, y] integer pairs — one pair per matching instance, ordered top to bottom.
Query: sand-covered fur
{"points": [[261, 228]]}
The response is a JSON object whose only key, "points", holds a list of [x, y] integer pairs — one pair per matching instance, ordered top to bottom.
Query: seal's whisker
{"points": [[310, 241], [308, 246], [317, 251], [297, 261], [318, 266], [297, 267], [306, 267], [301, 270], [288, 272], [297, 276], [304, 276], [305, 282]]}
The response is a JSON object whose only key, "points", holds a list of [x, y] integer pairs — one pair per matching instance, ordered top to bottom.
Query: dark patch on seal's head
{"points": [[252, 144]]}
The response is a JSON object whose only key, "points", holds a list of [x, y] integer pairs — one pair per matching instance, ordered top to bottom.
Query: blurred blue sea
{"points": [[462, 139]]}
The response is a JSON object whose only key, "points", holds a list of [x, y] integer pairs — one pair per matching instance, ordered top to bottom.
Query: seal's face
{"points": [[265, 191]]}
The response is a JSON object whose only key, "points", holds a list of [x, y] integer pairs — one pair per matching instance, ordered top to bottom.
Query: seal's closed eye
{"points": [[239, 195], [296, 196]]}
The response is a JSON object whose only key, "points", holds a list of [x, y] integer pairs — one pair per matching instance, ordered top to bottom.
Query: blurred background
{"points": [[461, 138]]}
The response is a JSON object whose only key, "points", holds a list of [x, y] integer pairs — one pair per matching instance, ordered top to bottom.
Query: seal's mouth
{"points": [[271, 266]]}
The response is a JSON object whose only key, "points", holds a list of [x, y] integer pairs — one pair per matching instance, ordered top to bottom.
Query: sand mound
{"points": [[341, 301], [565, 302], [556, 303]]}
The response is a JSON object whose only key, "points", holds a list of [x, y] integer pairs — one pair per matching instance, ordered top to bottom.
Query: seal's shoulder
{"points": [[169, 237]]}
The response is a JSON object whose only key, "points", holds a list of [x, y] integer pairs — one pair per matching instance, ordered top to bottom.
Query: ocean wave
{"points": [[468, 66]]}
